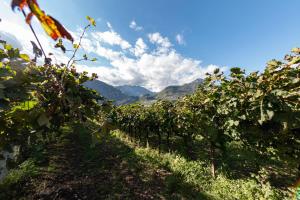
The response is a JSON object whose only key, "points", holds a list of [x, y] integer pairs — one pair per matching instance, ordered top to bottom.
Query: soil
{"points": [[106, 172]]}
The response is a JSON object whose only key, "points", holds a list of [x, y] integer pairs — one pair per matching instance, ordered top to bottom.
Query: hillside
{"points": [[134, 91], [110, 92], [174, 92], [129, 94]]}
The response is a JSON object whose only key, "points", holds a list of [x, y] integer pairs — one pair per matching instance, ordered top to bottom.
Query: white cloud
{"points": [[109, 25], [133, 25], [111, 37], [156, 38], [180, 39], [86, 43], [163, 43], [140, 47], [107, 53], [153, 66], [154, 69]]}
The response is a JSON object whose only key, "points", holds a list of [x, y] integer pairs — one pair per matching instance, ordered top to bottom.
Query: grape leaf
{"points": [[91, 20], [51, 26], [36, 50], [25, 57]]}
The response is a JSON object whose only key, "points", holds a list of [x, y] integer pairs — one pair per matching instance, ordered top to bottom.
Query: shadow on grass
{"points": [[237, 162], [241, 162], [110, 170], [125, 175]]}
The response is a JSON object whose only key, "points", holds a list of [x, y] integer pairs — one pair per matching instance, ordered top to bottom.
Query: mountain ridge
{"points": [[136, 91], [173, 92], [127, 94]]}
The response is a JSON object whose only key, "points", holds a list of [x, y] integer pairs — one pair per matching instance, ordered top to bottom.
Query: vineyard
{"points": [[257, 112], [236, 137]]}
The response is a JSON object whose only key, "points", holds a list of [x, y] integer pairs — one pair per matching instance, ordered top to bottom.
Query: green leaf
{"points": [[91, 20], [60, 45], [76, 46], [8, 47], [296, 50], [25, 57], [85, 57], [295, 60], [274, 63], [236, 70], [216, 71], [2, 96], [270, 114], [243, 117], [43, 120], [233, 123]]}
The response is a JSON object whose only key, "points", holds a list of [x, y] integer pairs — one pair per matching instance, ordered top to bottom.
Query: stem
{"points": [[37, 39], [80, 40], [74, 54], [147, 137], [168, 140], [159, 142], [212, 160]]}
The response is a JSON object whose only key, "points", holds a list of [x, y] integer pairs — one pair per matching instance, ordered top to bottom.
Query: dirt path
{"points": [[109, 171]]}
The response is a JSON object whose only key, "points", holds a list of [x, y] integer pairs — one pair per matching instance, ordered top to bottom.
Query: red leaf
{"points": [[18, 3], [52, 27], [63, 32]]}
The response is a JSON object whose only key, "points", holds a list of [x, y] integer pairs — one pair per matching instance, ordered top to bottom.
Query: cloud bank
{"points": [[150, 61]]}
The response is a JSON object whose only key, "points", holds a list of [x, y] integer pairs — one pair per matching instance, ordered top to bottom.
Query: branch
{"points": [[37, 39], [75, 51]]}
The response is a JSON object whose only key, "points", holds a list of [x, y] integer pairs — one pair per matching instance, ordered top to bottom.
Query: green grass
{"points": [[26, 105], [145, 167], [121, 169], [25, 170], [196, 174], [16, 178]]}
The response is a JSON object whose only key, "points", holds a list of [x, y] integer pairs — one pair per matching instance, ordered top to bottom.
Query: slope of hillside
{"points": [[135, 91], [110, 92], [174, 92], [129, 94]]}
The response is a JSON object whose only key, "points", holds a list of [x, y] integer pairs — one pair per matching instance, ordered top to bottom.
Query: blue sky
{"points": [[200, 33]]}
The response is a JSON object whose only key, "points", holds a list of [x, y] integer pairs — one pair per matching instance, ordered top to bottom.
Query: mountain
{"points": [[134, 91], [110, 92], [174, 92], [129, 94]]}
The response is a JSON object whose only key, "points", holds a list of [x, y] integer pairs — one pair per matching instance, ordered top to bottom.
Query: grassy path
{"points": [[116, 168], [111, 170]]}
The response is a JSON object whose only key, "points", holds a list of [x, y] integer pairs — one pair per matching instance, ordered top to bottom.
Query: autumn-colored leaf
{"points": [[18, 3], [52, 27], [62, 32]]}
